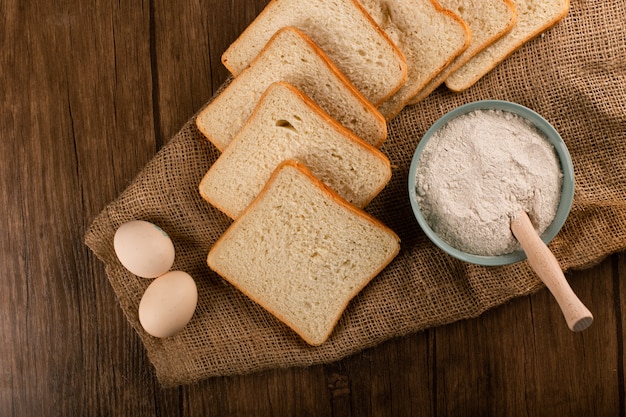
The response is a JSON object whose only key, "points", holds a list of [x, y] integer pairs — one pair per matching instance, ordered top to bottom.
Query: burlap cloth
{"points": [[574, 75]]}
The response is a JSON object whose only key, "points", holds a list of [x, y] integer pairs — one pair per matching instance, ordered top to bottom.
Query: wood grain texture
{"points": [[90, 91]]}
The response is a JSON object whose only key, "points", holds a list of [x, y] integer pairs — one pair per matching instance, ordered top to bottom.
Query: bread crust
{"points": [[269, 9], [468, 37], [520, 43], [394, 46], [464, 57], [329, 65], [417, 80], [332, 123], [338, 200]]}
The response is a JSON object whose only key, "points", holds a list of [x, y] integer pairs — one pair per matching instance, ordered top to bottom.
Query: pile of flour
{"points": [[478, 171]]}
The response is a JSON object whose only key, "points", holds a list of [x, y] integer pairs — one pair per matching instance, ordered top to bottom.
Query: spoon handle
{"points": [[546, 266]]}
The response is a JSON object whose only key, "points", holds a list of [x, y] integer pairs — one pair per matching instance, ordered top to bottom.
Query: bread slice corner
{"points": [[533, 18], [488, 21], [342, 29], [429, 36], [291, 56], [287, 124], [302, 252]]}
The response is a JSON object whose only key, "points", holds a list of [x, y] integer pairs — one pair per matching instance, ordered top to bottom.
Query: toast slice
{"points": [[533, 18], [488, 21], [342, 29], [428, 36], [292, 57], [288, 125], [302, 252]]}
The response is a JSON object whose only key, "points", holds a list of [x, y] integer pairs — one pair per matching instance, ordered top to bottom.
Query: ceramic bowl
{"points": [[567, 192]]}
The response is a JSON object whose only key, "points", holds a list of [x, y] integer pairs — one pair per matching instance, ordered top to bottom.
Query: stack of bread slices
{"points": [[300, 124]]}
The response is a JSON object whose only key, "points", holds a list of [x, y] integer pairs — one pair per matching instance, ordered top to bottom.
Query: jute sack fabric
{"points": [[574, 75]]}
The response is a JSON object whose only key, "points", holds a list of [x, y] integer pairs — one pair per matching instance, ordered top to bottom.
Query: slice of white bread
{"points": [[533, 18], [488, 21], [342, 29], [428, 36], [292, 57], [288, 125], [302, 252]]}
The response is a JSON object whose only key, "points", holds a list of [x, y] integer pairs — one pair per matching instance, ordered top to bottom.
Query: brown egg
{"points": [[144, 248], [168, 304]]}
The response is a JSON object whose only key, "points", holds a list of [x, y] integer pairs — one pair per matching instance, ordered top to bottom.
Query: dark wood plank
{"points": [[188, 43], [90, 91], [112, 107], [81, 129], [619, 305], [521, 359], [393, 379], [297, 391]]}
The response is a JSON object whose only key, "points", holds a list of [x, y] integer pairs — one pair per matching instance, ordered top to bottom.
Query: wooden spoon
{"points": [[546, 266]]}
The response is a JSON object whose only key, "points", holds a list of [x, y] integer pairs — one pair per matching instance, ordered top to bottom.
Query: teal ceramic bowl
{"points": [[567, 192]]}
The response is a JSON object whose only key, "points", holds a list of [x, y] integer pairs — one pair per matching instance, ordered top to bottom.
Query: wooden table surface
{"points": [[90, 91]]}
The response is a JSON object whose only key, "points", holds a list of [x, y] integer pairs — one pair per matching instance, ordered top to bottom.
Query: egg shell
{"points": [[144, 248], [168, 304]]}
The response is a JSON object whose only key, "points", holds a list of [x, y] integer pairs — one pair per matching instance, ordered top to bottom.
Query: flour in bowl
{"points": [[478, 171]]}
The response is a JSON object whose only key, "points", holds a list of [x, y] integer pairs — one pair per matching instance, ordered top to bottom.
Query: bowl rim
{"points": [[567, 189]]}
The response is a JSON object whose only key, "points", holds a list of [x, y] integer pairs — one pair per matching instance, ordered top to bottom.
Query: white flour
{"points": [[478, 171]]}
